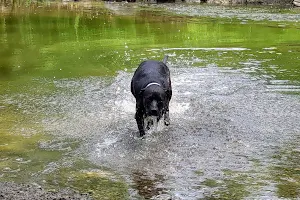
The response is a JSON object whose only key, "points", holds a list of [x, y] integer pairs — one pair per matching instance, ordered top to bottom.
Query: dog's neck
{"points": [[149, 84]]}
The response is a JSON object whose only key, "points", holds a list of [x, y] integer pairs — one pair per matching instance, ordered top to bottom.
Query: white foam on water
{"points": [[126, 105], [179, 107], [153, 124], [107, 142]]}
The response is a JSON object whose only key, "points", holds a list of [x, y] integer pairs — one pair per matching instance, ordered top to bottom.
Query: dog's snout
{"points": [[154, 108], [154, 112]]}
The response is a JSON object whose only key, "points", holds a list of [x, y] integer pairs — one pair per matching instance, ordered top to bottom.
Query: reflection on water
{"points": [[46, 42], [232, 113], [147, 187]]}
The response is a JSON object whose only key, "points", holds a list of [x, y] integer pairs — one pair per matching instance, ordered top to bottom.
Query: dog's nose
{"points": [[154, 113]]}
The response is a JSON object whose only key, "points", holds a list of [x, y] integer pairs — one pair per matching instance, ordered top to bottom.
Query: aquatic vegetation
{"points": [[29, 155], [26, 159], [286, 171], [88, 178], [235, 185]]}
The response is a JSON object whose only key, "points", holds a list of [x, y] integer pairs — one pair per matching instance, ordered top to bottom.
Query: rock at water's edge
{"points": [[296, 2]]}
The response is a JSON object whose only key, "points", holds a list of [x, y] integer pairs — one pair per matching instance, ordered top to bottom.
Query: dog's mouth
{"points": [[153, 113], [151, 122]]}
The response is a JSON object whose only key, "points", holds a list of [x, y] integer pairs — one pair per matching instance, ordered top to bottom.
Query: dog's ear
{"points": [[165, 59], [142, 91], [167, 92]]}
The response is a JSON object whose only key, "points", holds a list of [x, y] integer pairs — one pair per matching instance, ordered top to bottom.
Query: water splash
{"points": [[220, 119]]}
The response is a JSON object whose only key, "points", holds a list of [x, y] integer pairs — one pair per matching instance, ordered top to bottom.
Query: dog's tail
{"points": [[165, 59]]}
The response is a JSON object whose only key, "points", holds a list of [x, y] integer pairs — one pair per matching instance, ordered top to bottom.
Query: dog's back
{"points": [[150, 71]]}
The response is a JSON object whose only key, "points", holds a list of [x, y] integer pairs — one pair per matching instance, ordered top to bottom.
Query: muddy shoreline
{"points": [[250, 2], [9, 191]]}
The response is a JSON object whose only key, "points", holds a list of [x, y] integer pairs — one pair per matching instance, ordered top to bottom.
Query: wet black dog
{"points": [[151, 87]]}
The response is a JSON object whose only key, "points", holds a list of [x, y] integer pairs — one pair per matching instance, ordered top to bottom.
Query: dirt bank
{"points": [[263, 2], [13, 191]]}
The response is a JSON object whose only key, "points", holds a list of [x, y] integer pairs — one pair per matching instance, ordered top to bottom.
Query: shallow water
{"points": [[234, 112]]}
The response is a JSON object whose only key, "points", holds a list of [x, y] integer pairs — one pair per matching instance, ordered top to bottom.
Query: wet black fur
{"points": [[154, 99]]}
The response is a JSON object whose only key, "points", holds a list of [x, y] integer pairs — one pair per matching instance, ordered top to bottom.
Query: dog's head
{"points": [[154, 101]]}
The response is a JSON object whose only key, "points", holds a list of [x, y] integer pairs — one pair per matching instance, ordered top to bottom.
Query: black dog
{"points": [[151, 87]]}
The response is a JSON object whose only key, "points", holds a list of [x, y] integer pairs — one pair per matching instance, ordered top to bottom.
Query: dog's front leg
{"points": [[166, 115], [167, 118], [140, 121]]}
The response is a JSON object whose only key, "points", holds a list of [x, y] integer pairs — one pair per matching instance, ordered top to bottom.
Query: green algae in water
{"points": [[20, 138], [28, 155], [21, 157], [23, 161], [199, 172], [286, 173], [88, 178], [210, 183], [235, 185], [228, 188], [233, 190]]}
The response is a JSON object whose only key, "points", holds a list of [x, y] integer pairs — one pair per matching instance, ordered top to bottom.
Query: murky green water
{"points": [[60, 66]]}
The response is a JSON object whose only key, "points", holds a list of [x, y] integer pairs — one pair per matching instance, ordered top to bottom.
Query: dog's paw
{"points": [[167, 123]]}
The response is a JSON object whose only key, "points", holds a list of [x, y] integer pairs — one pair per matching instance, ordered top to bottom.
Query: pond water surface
{"points": [[67, 114]]}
